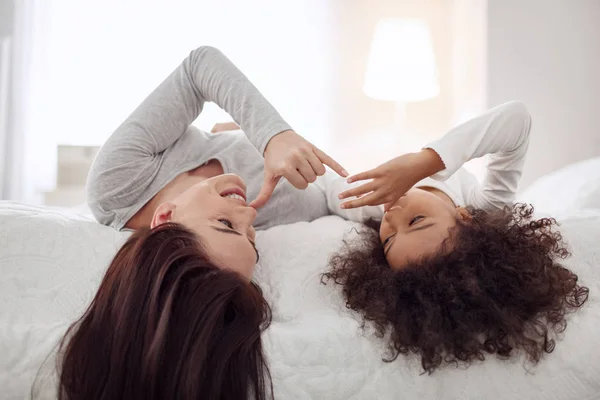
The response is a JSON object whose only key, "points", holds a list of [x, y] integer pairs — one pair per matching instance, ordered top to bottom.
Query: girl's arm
{"points": [[502, 131]]}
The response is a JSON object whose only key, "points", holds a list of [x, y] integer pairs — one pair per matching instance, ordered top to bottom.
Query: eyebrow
{"points": [[418, 228], [233, 232]]}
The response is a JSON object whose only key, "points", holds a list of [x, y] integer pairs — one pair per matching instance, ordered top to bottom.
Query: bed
{"points": [[52, 260]]}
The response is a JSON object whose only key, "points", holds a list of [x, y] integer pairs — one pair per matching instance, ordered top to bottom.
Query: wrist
{"points": [[273, 138], [430, 162]]}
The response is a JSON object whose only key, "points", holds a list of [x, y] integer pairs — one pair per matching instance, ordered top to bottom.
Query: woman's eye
{"points": [[415, 220], [227, 223]]}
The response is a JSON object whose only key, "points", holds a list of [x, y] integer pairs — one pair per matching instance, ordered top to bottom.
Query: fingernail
{"points": [[344, 173], [350, 180], [340, 196]]}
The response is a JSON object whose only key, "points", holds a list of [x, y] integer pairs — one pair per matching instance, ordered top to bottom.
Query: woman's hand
{"points": [[291, 156], [392, 180]]}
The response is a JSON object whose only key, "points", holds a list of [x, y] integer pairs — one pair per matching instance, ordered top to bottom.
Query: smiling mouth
{"points": [[235, 193]]}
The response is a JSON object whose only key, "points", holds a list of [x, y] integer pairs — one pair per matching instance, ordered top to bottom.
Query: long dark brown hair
{"points": [[498, 290], [166, 323]]}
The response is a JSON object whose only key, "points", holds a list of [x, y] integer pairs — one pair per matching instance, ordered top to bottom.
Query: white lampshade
{"points": [[401, 65]]}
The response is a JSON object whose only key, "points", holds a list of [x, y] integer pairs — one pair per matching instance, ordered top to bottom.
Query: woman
{"points": [[156, 168], [448, 267], [177, 315]]}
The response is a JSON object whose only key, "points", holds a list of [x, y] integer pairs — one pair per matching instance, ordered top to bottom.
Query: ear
{"points": [[163, 214], [464, 214]]}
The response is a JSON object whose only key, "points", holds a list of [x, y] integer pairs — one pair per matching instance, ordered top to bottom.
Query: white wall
{"points": [[547, 54], [363, 134]]}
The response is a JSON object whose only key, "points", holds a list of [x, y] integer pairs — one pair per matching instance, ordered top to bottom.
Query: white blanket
{"points": [[51, 263], [318, 352]]}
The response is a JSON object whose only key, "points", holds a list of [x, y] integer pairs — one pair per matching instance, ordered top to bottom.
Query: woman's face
{"points": [[216, 210], [416, 225]]}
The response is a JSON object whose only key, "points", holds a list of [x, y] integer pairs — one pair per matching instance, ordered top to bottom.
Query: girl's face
{"points": [[416, 225]]}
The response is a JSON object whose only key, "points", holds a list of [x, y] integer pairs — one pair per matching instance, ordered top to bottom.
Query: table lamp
{"points": [[401, 64]]}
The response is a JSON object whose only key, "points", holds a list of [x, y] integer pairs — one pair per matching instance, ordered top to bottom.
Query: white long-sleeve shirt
{"points": [[502, 132]]}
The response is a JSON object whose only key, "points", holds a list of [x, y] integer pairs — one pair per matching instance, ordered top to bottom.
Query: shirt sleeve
{"points": [[205, 75], [503, 133], [332, 185]]}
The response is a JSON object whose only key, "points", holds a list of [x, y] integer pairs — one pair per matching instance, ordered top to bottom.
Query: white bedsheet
{"points": [[51, 263], [317, 351]]}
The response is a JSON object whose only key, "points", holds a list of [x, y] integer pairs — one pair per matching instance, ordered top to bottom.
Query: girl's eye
{"points": [[415, 220], [227, 223], [386, 241]]}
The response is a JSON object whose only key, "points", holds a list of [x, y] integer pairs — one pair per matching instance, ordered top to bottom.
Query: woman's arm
{"points": [[205, 75], [166, 114], [502, 132], [129, 161]]}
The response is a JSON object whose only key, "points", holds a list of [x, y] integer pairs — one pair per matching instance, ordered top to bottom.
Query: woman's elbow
{"points": [[204, 51]]}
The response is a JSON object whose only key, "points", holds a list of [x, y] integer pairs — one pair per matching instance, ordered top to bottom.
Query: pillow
{"points": [[574, 187]]}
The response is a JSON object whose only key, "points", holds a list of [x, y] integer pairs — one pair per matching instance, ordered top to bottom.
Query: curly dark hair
{"points": [[497, 290]]}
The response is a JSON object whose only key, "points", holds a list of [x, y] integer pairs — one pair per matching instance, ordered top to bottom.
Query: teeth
{"points": [[235, 196]]}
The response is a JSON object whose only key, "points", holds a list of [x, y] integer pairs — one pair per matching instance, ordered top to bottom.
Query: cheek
{"points": [[195, 202], [201, 208], [233, 253], [396, 258], [243, 263], [249, 271]]}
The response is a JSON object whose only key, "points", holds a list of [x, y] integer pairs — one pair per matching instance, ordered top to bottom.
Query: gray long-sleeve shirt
{"points": [[156, 143]]}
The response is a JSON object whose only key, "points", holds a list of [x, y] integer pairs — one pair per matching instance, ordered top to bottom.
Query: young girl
{"points": [[451, 268]]}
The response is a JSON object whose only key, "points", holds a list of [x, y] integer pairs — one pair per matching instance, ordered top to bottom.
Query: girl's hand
{"points": [[291, 156], [392, 180]]}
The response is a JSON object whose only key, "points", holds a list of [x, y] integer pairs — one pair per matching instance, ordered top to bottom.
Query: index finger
{"points": [[331, 163], [370, 174], [265, 192]]}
